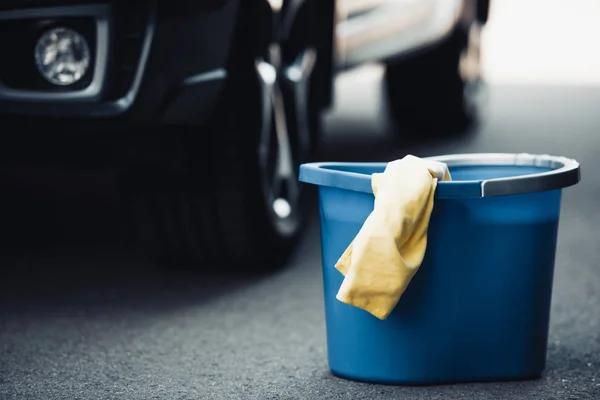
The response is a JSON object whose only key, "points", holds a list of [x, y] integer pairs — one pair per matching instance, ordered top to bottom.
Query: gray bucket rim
{"points": [[564, 172]]}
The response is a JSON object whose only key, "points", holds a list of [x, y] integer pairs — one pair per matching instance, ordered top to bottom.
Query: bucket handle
{"points": [[564, 172]]}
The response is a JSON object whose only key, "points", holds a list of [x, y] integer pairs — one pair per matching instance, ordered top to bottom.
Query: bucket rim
{"points": [[564, 172]]}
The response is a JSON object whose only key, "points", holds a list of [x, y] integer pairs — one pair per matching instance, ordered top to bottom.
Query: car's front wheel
{"points": [[230, 193]]}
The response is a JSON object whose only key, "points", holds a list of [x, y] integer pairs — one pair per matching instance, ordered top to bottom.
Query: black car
{"points": [[207, 107]]}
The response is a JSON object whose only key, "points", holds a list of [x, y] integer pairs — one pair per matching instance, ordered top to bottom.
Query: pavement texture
{"points": [[84, 318]]}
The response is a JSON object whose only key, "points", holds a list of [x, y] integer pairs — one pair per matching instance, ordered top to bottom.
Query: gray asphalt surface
{"points": [[82, 317]]}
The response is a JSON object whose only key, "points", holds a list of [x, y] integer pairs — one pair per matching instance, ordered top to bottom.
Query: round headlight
{"points": [[62, 56]]}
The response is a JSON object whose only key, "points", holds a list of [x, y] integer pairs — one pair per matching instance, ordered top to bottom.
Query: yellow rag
{"points": [[389, 249]]}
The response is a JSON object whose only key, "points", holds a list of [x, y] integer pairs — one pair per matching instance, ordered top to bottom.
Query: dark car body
{"points": [[208, 107]]}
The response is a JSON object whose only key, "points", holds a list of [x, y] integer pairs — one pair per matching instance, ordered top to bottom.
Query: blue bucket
{"points": [[478, 309]]}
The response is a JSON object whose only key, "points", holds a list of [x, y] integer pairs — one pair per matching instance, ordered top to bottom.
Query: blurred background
{"points": [[539, 42], [529, 50], [79, 304]]}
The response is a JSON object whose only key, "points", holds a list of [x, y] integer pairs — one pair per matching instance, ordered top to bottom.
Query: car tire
{"points": [[483, 11], [426, 93], [228, 194]]}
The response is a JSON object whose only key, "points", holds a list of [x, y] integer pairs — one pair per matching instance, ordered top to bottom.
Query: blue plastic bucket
{"points": [[479, 306]]}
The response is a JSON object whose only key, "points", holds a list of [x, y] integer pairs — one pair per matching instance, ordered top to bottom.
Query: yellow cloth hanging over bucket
{"points": [[389, 249]]}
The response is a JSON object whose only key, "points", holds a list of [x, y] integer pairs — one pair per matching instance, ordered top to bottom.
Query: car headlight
{"points": [[62, 56]]}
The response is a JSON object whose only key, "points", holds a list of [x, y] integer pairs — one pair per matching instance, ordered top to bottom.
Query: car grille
{"points": [[130, 22]]}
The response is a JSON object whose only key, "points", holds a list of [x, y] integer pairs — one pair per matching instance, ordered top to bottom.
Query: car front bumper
{"points": [[154, 61]]}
